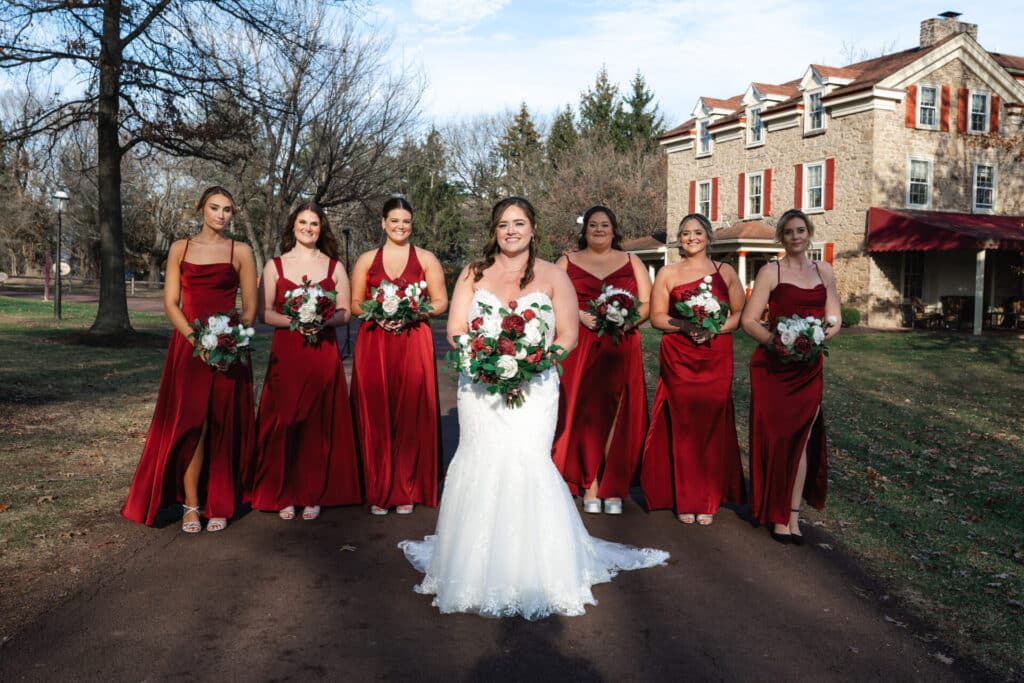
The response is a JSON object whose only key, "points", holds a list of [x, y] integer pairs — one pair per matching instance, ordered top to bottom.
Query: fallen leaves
{"points": [[3, 507]]}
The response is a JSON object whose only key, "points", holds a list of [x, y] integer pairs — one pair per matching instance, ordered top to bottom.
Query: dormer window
{"points": [[815, 112], [978, 117], [755, 129], [703, 138]]}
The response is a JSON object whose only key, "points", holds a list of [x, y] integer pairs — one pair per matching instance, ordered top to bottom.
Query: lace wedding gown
{"points": [[509, 539]]}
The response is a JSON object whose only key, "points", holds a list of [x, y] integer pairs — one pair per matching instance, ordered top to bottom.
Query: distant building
{"points": [[909, 164]]}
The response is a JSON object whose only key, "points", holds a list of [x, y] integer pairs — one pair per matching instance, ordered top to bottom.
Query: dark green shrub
{"points": [[850, 316]]}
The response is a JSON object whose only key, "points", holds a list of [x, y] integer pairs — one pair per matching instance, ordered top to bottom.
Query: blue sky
{"points": [[487, 56]]}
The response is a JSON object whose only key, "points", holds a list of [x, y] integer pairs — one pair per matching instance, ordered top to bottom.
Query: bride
{"points": [[509, 539]]}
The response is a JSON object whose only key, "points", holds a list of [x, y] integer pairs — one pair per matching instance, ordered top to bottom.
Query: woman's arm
{"points": [[359, 273], [434, 275], [247, 282], [643, 288], [172, 291], [268, 295], [342, 297], [737, 298], [565, 302], [832, 307], [458, 312], [586, 318], [661, 319], [750, 320]]}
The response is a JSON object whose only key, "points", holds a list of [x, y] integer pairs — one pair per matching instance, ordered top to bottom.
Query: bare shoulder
{"points": [[177, 249], [243, 250], [426, 256], [365, 259], [825, 268], [726, 270], [550, 276]]}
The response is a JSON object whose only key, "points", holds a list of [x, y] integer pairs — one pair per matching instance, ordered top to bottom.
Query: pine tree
{"points": [[600, 107], [635, 124], [563, 135], [520, 150]]}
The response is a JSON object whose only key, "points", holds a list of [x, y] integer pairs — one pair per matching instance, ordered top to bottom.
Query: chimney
{"points": [[945, 25]]}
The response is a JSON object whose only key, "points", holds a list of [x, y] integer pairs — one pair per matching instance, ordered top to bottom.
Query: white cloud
{"points": [[456, 13]]}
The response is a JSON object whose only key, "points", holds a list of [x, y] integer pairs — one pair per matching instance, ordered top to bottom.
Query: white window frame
{"points": [[936, 106], [809, 111], [971, 112], [754, 113], [702, 131], [701, 184], [930, 184], [748, 195], [808, 206], [979, 208], [816, 252]]}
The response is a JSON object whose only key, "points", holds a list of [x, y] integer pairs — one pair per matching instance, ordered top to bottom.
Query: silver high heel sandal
{"points": [[193, 526]]}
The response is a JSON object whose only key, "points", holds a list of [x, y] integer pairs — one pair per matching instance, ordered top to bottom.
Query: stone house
{"points": [[909, 165]]}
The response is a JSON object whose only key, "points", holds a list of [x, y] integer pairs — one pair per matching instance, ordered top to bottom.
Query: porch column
{"points": [[741, 270], [650, 271], [979, 289]]}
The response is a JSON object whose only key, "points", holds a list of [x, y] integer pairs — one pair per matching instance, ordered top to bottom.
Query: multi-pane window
{"points": [[815, 112], [979, 113], [927, 114], [756, 127], [705, 138], [919, 182], [814, 185], [984, 186], [754, 194], [704, 198], [913, 274]]}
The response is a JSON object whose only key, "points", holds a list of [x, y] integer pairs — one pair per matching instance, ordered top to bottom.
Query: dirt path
{"points": [[333, 599]]}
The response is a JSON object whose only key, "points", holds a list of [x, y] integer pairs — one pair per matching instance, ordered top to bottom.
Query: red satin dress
{"points": [[602, 388], [193, 393], [394, 402], [785, 413], [305, 448], [691, 461]]}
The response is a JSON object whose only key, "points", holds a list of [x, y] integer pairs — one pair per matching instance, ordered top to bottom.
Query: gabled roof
{"points": [[1009, 62], [836, 71], [788, 89], [731, 103], [684, 127], [745, 230], [647, 242]]}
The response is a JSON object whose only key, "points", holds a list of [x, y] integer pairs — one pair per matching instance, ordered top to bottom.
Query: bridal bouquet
{"points": [[399, 301], [309, 306], [700, 307], [614, 309], [223, 338], [800, 339], [505, 350]]}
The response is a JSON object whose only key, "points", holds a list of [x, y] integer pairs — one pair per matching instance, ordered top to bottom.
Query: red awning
{"points": [[909, 230]]}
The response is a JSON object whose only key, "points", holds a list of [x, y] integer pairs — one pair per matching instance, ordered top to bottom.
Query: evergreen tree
{"points": [[600, 107], [635, 123], [563, 135], [520, 151], [437, 200]]}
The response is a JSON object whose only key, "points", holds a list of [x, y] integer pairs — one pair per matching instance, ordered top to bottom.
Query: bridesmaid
{"points": [[394, 376], [602, 414], [787, 430], [202, 431], [306, 452], [691, 460]]}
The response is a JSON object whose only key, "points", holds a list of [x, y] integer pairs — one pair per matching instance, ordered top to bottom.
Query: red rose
{"points": [[401, 283], [690, 293], [401, 294], [380, 296], [623, 300], [295, 303], [412, 305], [512, 305], [326, 309], [602, 309], [528, 314], [477, 322], [513, 324], [226, 341], [477, 343], [803, 345], [506, 347], [535, 356]]}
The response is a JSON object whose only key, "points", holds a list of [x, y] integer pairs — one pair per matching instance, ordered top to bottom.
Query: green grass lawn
{"points": [[926, 475]]}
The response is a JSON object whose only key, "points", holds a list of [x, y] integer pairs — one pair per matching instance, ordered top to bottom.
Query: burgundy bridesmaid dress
{"points": [[602, 389], [193, 393], [394, 403], [785, 413], [305, 448], [691, 461]]}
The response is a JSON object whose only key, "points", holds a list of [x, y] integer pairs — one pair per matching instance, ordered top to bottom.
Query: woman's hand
{"points": [[588, 320], [393, 326], [309, 329]]}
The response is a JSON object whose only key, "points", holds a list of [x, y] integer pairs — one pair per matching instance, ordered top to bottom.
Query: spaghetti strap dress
{"points": [[193, 394], [602, 394], [395, 405], [785, 414], [305, 448], [691, 462]]}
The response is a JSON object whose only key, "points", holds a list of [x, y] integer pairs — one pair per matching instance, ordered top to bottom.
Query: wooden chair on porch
{"points": [[918, 315], [1015, 316]]}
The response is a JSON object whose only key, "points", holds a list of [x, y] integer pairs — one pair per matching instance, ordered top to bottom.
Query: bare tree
{"points": [[143, 72]]}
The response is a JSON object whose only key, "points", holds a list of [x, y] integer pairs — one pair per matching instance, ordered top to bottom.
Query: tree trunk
{"points": [[112, 314]]}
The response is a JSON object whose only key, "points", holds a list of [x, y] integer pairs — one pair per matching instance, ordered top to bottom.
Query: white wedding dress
{"points": [[509, 539]]}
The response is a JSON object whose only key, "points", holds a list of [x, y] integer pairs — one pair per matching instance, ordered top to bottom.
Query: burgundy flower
{"points": [[380, 297], [623, 300], [294, 304], [512, 305], [326, 308], [602, 309], [528, 314], [477, 322], [513, 324], [226, 341], [477, 343], [803, 345], [506, 347], [535, 356]]}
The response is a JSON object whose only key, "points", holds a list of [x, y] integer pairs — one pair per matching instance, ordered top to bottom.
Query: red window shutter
{"points": [[961, 110], [944, 111], [993, 117], [910, 118], [830, 183], [798, 186], [766, 192], [739, 194], [693, 197], [714, 199], [829, 252]]}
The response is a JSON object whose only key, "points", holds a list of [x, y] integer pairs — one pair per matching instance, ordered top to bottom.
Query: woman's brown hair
{"points": [[326, 243], [491, 249]]}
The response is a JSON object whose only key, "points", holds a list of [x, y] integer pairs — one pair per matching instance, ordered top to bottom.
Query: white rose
{"points": [[707, 279], [423, 284], [389, 289], [390, 304], [712, 306], [307, 312], [614, 316], [811, 319], [832, 320], [218, 324], [491, 326], [781, 327], [249, 332], [533, 334], [819, 335], [788, 337], [209, 341], [244, 341], [521, 354], [507, 367]]}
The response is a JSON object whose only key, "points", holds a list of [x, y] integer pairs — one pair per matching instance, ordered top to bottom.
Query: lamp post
{"points": [[61, 197], [347, 349]]}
